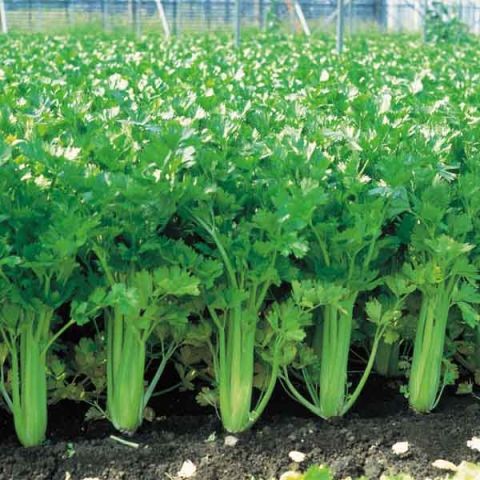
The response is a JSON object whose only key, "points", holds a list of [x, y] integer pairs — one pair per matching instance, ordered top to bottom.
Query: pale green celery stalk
{"points": [[337, 332], [331, 341], [126, 347], [28, 350], [234, 354], [387, 359], [234, 369], [125, 373], [425, 384], [126, 393], [332, 398]]}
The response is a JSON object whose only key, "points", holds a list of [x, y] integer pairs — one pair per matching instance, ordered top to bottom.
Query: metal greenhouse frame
{"points": [[3, 17], [172, 17]]}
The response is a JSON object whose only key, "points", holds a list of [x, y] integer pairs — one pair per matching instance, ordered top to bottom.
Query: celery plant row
{"points": [[275, 216]]}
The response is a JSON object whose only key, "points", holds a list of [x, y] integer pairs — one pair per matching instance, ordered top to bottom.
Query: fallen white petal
{"points": [[211, 438], [230, 441], [474, 443], [400, 447], [297, 457], [444, 465], [189, 469], [290, 475]]}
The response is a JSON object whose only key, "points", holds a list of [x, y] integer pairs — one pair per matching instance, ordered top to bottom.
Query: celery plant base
{"points": [[337, 332], [387, 359], [235, 371], [125, 376], [425, 383], [235, 393], [29, 399], [238, 418], [30, 419]]}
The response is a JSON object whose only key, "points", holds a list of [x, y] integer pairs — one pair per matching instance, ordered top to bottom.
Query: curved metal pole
{"points": [[3, 17], [163, 18], [237, 19], [340, 25]]}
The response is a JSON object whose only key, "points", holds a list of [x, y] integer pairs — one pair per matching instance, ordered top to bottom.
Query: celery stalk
{"points": [[337, 332], [387, 359], [236, 372], [426, 372], [125, 374], [28, 400]]}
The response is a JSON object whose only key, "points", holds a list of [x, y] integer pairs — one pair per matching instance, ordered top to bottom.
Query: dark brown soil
{"points": [[359, 444]]}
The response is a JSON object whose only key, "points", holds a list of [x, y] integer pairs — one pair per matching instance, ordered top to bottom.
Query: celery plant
{"points": [[344, 220], [236, 223], [440, 266], [37, 278], [443, 281], [141, 289], [236, 304], [136, 305], [327, 383], [28, 397], [327, 398]]}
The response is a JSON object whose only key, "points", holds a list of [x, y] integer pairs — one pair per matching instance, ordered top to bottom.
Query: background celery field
{"points": [[273, 225]]}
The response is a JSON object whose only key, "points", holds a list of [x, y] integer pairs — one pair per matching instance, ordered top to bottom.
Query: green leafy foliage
{"points": [[444, 25], [250, 215]]}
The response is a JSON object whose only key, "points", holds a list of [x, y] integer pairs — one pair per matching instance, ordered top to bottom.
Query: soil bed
{"points": [[359, 444]]}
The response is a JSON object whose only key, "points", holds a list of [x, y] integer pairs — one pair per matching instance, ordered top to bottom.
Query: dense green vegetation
{"points": [[260, 217]]}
